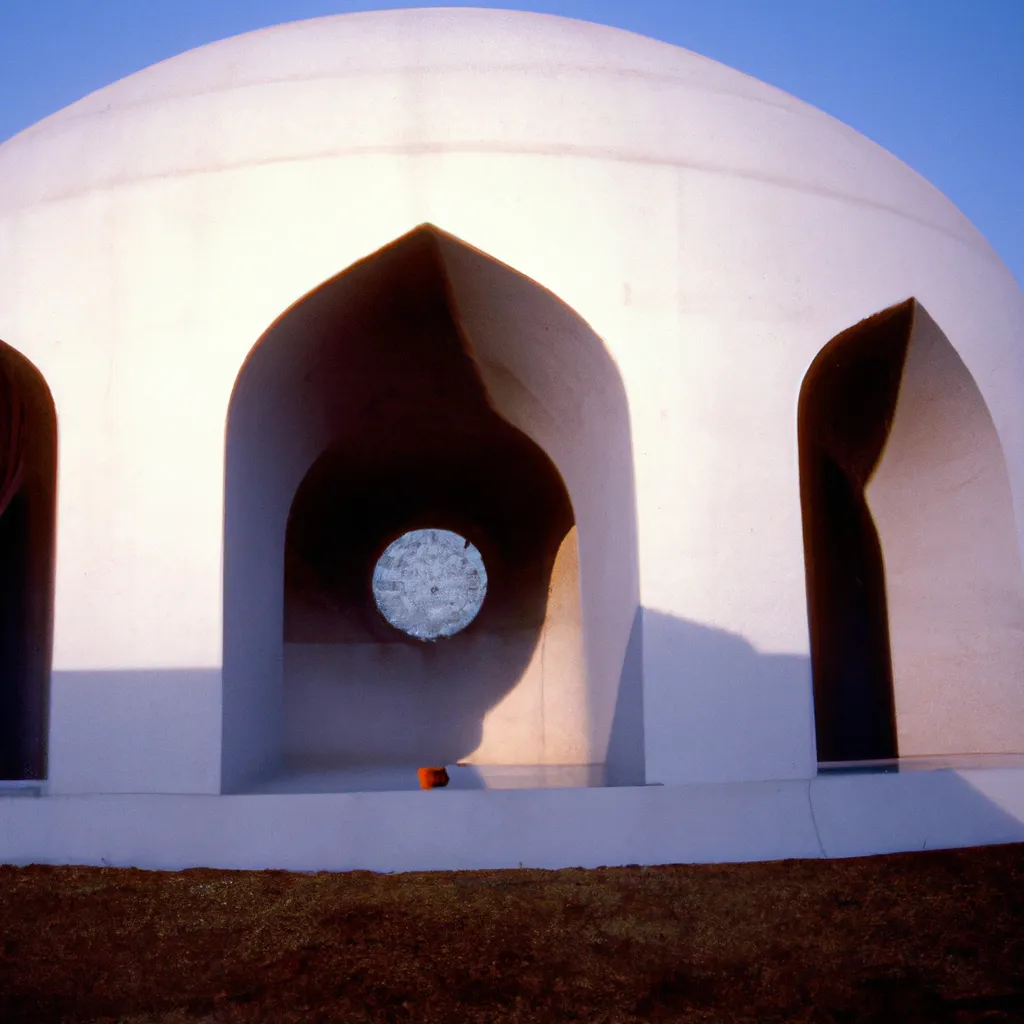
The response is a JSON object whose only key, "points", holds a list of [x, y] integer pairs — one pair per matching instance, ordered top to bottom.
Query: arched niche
{"points": [[428, 386], [28, 501], [914, 579]]}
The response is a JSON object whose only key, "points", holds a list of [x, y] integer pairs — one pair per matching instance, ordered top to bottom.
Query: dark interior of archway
{"points": [[847, 404], [415, 443], [27, 525]]}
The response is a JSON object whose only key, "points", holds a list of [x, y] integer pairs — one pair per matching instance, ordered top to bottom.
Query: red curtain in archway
{"points": [[12, 437]]}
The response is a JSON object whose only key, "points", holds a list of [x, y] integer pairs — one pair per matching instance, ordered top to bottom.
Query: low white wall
{"points": [[857, 815], [441, 830]]}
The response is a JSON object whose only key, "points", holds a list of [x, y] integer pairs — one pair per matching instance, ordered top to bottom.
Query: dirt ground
{"points": [[926, 937]]}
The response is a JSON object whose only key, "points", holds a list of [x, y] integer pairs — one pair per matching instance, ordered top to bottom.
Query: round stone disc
{"points": [[430, 583]]}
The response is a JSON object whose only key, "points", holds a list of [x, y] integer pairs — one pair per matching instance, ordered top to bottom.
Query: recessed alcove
{"points": [[429, 387], [28, 492], [914, 579]]}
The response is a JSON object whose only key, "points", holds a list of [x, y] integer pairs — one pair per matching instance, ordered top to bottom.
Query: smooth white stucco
{"points": [[710, 233]]}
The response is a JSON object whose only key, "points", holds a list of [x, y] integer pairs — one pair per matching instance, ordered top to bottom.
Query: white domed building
{"points": [[710, 407]]}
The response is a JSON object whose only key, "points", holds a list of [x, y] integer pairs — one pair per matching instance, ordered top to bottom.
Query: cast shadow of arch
{"points": [[549, 374], [369, 403], [719, 694], [728, 707], [726, 710], [732, 712]]}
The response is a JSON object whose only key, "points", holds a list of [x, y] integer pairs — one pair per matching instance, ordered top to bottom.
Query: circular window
{"points": [[430, 583]]}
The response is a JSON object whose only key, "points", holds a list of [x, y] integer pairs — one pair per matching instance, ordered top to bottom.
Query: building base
{"points": [[836, 814]]}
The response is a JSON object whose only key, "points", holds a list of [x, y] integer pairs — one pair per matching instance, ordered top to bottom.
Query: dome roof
{"points": [[454, 80]]}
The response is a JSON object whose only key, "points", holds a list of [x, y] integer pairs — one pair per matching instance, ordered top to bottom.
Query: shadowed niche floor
{"points": [[371, 779]]}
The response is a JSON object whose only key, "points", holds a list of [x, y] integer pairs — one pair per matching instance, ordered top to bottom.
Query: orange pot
{"points": [[431, 778]]}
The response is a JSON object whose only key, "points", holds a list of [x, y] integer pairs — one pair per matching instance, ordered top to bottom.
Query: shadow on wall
{"points": [[552, 377], [426, 386], [416, 444], [727, 712], [733, 714], [135, 731], [156, 731]]}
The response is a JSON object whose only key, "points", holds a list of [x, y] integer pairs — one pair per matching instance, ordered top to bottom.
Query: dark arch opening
{"points": [[428, 386], [846, 407], [427, 450], [28, 489], [914, 577]]}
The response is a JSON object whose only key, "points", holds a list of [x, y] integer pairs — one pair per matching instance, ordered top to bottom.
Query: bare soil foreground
{"points": [[930, 937]]}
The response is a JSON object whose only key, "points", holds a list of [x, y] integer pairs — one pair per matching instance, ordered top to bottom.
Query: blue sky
{"points": [[939, 83]]}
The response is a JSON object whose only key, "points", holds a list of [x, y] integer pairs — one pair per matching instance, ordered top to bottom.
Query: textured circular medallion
{"points": [[430, 583]]}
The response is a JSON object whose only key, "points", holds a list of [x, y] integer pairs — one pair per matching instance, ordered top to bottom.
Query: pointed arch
{"points": [[427, 385], [28, 494], [914, 578]]}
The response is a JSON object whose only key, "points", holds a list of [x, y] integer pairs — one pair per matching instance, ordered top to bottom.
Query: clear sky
{"points": [[939, 83]]}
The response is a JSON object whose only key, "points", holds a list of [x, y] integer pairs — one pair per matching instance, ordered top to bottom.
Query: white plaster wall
{"points": [[714, 232]]}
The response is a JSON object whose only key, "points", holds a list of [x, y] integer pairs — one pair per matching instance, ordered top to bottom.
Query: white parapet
{"points": [[833, 815]]}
